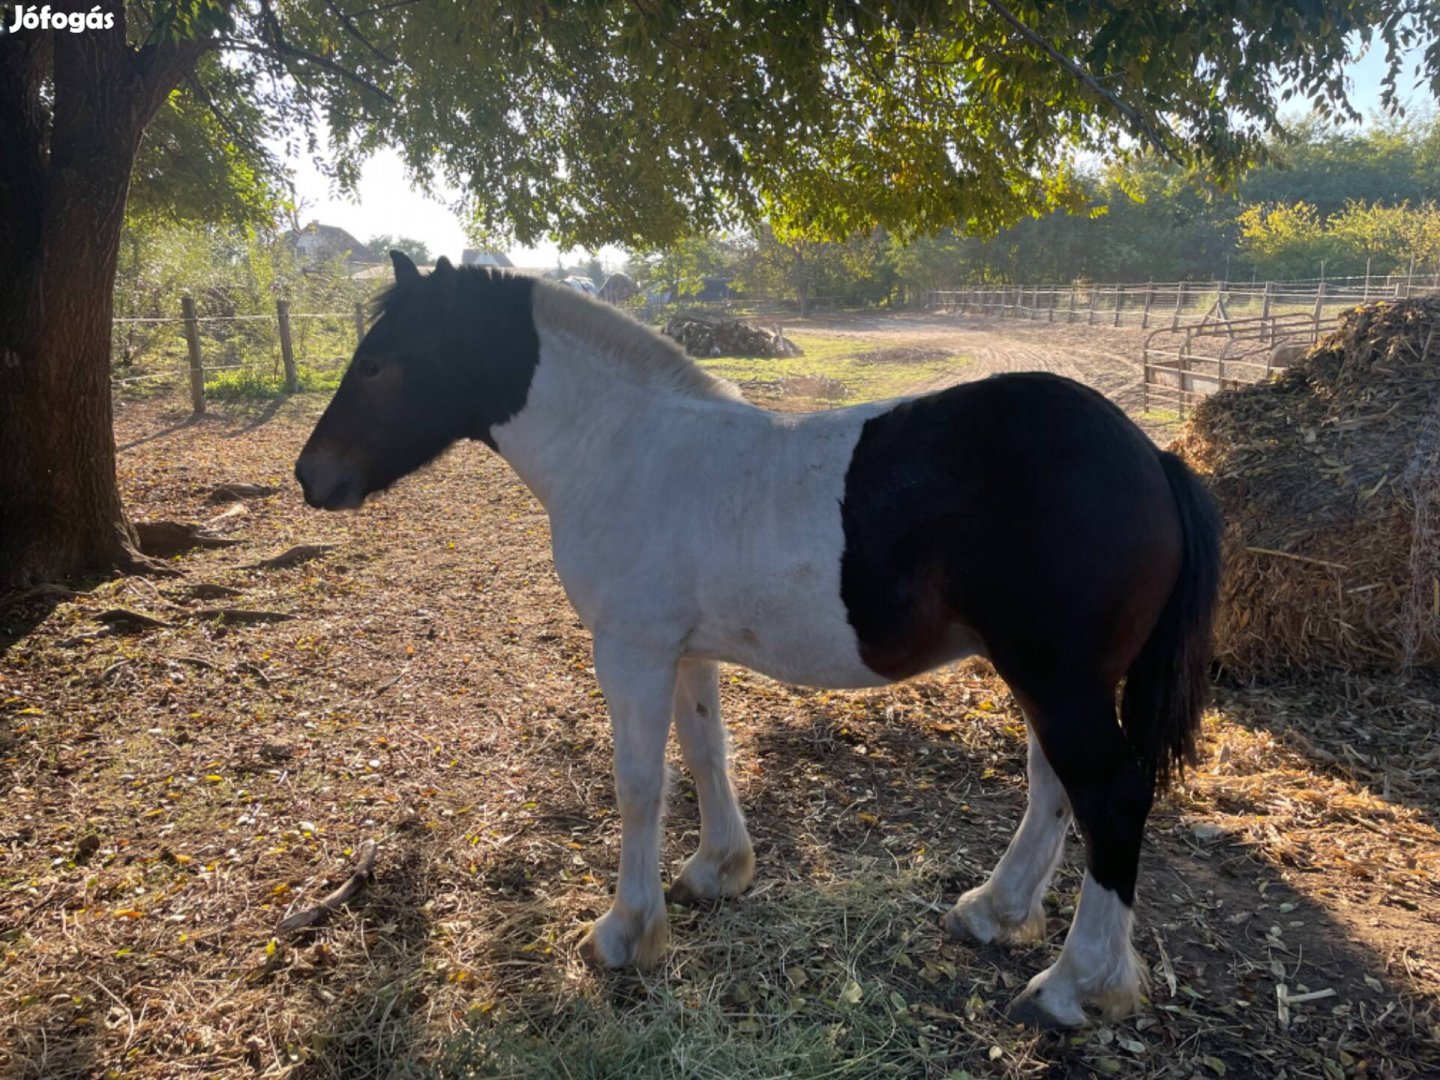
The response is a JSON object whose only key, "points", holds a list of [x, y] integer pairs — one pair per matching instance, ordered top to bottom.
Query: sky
{"points": [[386, 201]]}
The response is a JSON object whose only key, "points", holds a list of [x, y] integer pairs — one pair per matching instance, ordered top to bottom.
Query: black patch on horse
{"points": [[473, 322], [450, 355], [1027, 515]]}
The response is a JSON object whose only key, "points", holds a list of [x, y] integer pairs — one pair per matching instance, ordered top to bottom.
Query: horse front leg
{"points": [[639, 687], [724, 863]]}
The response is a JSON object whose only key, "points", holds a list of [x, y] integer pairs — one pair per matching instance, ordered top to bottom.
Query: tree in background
{"points": [[605, 122], [1295, 241], [381, 246], [680, 268], [853, 272]]}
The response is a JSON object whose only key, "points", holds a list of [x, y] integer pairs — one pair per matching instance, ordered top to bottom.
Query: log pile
{"points": [[705, 335], [1328, 477]]}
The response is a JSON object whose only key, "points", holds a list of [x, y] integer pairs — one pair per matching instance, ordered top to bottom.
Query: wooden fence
{"points": [[1174, 303], [192, 323], [1204, 336]]}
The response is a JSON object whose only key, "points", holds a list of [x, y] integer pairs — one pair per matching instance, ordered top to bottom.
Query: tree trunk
{"points": [[62, 207], [802, 283]]}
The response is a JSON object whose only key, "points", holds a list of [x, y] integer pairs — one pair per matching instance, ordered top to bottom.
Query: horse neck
{"points": [[581, 415]]}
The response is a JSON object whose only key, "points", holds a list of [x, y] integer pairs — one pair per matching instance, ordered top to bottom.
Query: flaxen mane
{"points": [[614, 338]]}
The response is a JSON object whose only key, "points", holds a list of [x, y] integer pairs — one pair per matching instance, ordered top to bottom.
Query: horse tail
{"points": [[1168, 684]]}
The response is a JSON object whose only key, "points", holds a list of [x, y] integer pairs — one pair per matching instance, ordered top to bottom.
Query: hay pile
{"points": [[706, 335], [1329, 481]]}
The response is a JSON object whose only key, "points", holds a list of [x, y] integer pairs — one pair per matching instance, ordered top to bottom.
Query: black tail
{"points": [[1169, 682]]}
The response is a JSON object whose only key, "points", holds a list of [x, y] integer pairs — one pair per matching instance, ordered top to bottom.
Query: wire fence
{"points": [[280, 350]]}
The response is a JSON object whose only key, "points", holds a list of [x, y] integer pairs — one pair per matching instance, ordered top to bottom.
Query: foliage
{"points": [[615, 122], [1391, 161], [199, 164], [1147, 218], [1292, 241], [382, 244], [680, 268], [856, 271], [233, 275]]}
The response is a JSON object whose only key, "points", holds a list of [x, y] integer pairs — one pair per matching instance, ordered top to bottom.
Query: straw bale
{"points": [[1329, 480]]}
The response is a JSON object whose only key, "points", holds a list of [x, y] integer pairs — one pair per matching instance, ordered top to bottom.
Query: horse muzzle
{"points": [[328, 480]]}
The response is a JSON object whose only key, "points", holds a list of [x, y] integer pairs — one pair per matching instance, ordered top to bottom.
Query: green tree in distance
{"points": [[604, 122], [384, 243]]}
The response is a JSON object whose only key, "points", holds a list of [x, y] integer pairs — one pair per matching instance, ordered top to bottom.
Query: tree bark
{"points": [[62, 204]]}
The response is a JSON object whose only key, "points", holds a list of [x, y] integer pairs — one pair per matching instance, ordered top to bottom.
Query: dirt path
{"points": [[1103, 357]]}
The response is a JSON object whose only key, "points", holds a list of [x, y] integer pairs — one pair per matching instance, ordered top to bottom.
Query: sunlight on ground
{"points": [[835, 370]]}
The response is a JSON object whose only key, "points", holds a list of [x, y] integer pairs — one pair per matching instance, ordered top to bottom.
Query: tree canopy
{"points": [[633, 123]]}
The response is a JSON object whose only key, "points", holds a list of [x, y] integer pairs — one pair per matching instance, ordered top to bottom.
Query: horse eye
{"points": [[370, 367]]}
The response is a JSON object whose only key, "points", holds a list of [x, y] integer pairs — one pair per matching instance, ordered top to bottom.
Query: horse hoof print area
{"points": [[1022, 518]]}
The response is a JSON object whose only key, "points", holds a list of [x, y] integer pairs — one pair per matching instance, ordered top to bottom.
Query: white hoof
{"points": [[709, 877], [977, 917], [621, 939], [1056, 998]]}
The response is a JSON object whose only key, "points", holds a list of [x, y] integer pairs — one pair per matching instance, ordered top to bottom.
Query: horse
{"points": [[1022, 517]]}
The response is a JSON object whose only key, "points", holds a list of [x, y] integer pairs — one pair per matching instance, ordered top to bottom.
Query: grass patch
{"points": [[830, 360], [260, 384], [802, 981]]}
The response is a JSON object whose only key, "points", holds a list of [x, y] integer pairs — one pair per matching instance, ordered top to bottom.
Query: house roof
{"points": [[336, 239], [472, 257]]}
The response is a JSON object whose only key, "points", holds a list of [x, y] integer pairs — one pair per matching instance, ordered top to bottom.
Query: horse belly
{"points": [[786, 630]]}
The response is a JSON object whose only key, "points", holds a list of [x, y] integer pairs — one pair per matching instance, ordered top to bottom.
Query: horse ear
{"points": [[443, 266], [405, 272]]}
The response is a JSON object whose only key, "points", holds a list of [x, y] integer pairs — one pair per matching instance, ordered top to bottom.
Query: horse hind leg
{"points": [[1111, 797], [724, 863], [1009, 906]]}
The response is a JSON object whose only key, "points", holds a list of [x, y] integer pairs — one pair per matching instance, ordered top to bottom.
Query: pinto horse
{"points": [[1022, 518]]}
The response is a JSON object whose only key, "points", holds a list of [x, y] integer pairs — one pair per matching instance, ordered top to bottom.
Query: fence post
{"points": [[1367, 281], [1094, 291], [1149, 299], [1054, 302], [1119, 302], [1179, 303], [1319, 303], [1070, 311], [1265, 312], [359, 323], [192, 342], [287, 351]]}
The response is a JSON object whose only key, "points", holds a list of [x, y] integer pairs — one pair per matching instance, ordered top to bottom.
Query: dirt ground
{"points": [[1106, 358], [172, 790]]}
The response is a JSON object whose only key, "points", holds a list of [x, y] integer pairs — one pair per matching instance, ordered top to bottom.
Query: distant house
{"points": [[317, 244], [471, 257], [618, 288]]}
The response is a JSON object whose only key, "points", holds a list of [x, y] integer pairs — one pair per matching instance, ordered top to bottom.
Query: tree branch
{"points": [[354, 31], [275, 39], [1139, 124]]}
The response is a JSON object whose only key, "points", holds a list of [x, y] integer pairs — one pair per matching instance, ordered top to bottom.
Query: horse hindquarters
{"points": [[1031, 513], [1110, 772]]}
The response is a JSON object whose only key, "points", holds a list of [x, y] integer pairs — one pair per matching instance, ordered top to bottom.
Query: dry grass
{"points": [[1329, 480], [170, 794]]}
